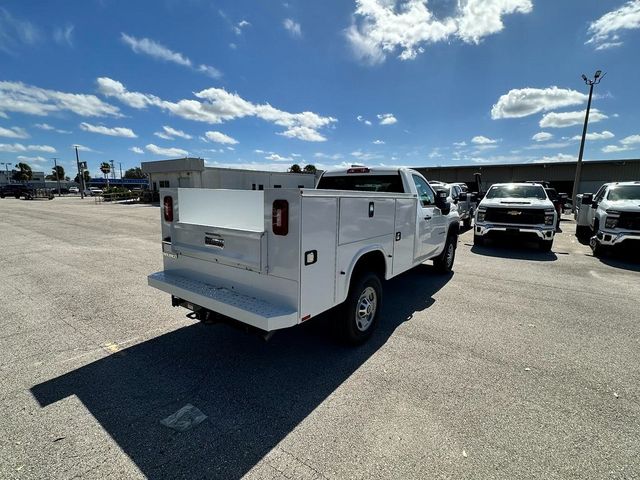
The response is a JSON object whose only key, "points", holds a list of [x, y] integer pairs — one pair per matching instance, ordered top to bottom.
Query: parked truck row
{"points": [[275, 258]]}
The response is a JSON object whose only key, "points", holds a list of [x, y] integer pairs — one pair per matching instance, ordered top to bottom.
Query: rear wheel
{"points": [[467, 221], [583, 231], [444, 261], [361, 309]]}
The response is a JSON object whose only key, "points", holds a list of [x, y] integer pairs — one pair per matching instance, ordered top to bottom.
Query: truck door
{"points": [[430, 223]]}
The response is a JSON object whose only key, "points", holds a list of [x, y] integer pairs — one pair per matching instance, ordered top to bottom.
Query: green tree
{"points": [[105, 168], [295, 168], [309, 168], [23, 173], [134, 173], [61, 175], [86, 175]]}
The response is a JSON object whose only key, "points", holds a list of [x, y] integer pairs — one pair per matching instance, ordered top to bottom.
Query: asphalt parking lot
{"points": [[519, 365]]}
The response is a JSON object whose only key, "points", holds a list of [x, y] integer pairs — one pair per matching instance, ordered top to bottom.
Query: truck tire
{"points": [[466, 223], [583, 231], [478, 240], [545, 245], [596, 247], [444, 261], [361, 309]]}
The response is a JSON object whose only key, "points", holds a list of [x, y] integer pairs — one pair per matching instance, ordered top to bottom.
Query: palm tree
{"points": [[105, 168], [295, 168], [23, 172]]}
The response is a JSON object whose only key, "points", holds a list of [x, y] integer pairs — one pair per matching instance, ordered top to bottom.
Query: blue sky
{"points": [[262, 84]]}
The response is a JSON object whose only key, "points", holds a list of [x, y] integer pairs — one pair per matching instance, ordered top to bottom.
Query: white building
{"points": [[192, 173]]}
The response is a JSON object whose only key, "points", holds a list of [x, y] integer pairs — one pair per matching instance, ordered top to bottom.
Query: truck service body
{"points": [[275, 258]]}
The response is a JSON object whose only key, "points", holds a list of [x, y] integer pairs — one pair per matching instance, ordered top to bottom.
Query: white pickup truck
{"points": [[522, 209], [614, 216], [275, 258]]}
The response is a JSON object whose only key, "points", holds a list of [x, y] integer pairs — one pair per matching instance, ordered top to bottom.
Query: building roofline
{"points": [[531, 164]]}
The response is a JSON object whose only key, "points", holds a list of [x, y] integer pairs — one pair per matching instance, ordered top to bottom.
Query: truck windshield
{"points": [[367, 183], [517, 191], [624, 192]]}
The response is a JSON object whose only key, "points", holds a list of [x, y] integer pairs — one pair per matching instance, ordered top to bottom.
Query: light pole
{"points": [[597, 77], [55, 167], [80, 173]]}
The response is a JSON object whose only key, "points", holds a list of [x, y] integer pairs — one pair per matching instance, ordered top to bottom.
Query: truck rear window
{"points": [[366, 183]]}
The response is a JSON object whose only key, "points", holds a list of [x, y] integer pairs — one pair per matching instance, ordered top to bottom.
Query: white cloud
{"points": [[292, 27], [382, 27], [605, 30], [15, 32], [64, 36], [149, 47], [21, 98], [522, 102], [218, 106], [387, 118], [361, 119], [569, 119], [46, 126], [13, 132], [112, 132], [169, 133], [307, 134], [163, 135], [604, 135], [542, 136], [220, 137], [482, 140], [630, 140], [378, 142], [460, 144], [548, 145], [18, 147], [82, 148], [615, 148], [137, 150], [258, 151], [166, 152], [335, 156], [560, 157], [23, 158], [277, 158]]}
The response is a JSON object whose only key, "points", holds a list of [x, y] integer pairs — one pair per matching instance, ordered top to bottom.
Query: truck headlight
{"points": [[481, 213], [549, 217]]}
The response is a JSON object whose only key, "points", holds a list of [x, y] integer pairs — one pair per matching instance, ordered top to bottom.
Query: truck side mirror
{"points": [[586, 199], [442, 204]]}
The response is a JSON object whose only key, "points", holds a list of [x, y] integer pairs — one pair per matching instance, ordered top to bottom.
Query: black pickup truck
{"points": [[16, 190]]}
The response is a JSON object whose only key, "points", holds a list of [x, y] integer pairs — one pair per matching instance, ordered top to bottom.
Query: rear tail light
{"points": [[358, 170], [168, 208], [280, 217]]}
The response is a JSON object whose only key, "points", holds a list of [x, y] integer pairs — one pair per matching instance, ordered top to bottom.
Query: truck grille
{"points": [[522, 216], [629, 220]]}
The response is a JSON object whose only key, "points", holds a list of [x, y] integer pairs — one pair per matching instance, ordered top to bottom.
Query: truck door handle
{"points": [[427, 217]]}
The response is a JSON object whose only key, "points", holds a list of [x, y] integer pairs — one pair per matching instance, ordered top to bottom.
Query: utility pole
{"points": [[597, 78], [120, 164], [55, 167], [113, 170], [80, 173]]}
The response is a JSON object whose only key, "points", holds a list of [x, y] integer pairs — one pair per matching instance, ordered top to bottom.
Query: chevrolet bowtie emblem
{"points": [[514, 212]]}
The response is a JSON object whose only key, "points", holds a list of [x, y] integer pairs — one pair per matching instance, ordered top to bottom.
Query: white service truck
{"points": [[275, 258]]}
